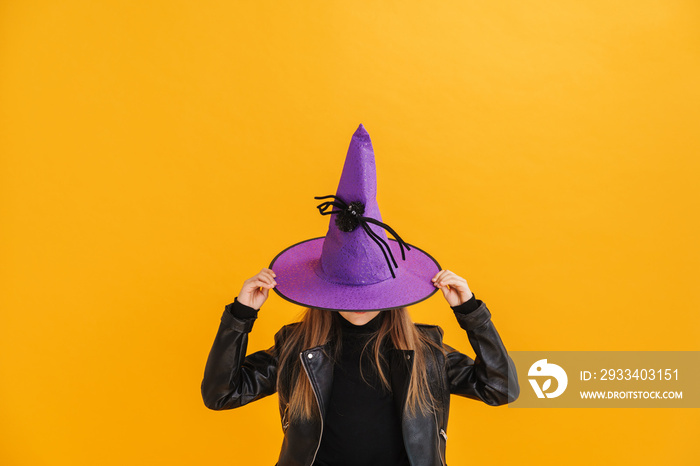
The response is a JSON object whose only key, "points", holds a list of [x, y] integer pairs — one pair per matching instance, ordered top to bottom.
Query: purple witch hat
{"points": [[355, 267]]}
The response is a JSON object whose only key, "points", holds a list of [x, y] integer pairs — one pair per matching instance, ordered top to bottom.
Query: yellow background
{"points": [[154, 155]]}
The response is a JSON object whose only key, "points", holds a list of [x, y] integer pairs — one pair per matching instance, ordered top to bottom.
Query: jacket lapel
{"points": [[320, 372]]}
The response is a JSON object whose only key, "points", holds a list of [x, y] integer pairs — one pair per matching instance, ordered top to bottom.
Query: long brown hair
{"points": [[318, 327]]}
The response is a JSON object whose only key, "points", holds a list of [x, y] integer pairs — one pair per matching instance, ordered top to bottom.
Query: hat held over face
{"points": [[355, 267]]}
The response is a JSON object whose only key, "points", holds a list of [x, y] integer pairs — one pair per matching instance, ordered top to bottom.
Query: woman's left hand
{"points": [[454, 287]]}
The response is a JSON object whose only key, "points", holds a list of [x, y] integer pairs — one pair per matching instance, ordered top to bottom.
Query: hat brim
{"points": [[296, 269]]}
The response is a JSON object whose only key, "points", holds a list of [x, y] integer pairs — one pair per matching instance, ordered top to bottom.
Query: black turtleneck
{"points": [[362, 425]]}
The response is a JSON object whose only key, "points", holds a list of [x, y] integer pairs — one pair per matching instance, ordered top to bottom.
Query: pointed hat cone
{"points": [[353, 258], [348, 269]]}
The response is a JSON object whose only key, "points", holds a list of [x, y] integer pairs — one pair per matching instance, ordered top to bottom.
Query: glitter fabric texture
{"points": [[347, 270]]}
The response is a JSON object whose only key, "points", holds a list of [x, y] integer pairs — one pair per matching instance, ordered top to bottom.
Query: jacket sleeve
{"points": [[490, 377], [232, 379]]}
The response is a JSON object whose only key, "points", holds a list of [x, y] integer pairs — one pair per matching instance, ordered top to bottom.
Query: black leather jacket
{"points": [[232, 379]]}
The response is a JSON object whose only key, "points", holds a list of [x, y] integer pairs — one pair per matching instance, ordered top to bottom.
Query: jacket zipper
{"points": [[440, 368], [318, 402], [444, 435]]}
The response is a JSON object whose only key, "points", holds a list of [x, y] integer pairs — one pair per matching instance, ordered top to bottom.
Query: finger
{"points": [[268, 273], [262, 275], [437, 276], [454, 276], [440, 277], [451, 277], [267, 278], [253, 279], [454, 281], [261, 284], [443, 285], [264, 288], [447, 290]]}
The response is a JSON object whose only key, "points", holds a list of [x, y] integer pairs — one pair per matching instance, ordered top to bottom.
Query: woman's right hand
{"points": [[256, 289]]}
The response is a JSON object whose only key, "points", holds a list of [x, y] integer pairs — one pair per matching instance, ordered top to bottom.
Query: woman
{"points": [[358, 383]]}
